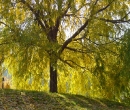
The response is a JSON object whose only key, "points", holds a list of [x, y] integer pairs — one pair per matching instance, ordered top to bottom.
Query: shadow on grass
{"points": [[35, 100], [85, 102], [96, 104], [114, 104]]}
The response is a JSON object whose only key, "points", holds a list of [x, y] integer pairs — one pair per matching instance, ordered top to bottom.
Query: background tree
{"points": [[42, 34]]}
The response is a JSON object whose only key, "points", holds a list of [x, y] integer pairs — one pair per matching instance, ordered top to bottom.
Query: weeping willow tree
{"points": [[43, 40]]}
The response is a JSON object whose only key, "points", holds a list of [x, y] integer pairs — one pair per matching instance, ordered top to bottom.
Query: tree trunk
{"points": [[52, 37], [53, 79]]}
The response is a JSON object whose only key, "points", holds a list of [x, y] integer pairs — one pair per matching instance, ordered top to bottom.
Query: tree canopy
{"points": [[77, 42]]}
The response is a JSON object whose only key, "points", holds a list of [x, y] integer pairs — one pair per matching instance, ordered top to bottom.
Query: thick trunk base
{"points": [[53, 80]]}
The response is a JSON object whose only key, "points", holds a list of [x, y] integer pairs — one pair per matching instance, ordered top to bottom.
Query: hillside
{"points": [[32, 100]]}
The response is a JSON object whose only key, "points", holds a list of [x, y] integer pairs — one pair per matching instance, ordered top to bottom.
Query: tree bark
{"points": [[53, 79]]}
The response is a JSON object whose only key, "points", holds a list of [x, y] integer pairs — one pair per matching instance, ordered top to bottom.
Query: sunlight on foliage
{"points": [[81, 46]]}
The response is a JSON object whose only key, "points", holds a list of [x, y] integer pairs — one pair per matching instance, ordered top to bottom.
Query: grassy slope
{"points": [[32, 100]]}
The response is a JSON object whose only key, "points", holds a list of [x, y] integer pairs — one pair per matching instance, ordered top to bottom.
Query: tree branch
{"points": [[96, 2], [104, 8], [34, 12], [125, 15], [58, 20], [115, 21], [3, 23], [6, 25], [73, 36], [4, 43], [80, 51], [66, 62], [75, 64]]}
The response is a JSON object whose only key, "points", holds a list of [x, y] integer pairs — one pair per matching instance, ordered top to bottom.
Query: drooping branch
{"points": [[1, 22], [5, 43], [80, 50], [66, 62], [72, 63], [83, 67]]}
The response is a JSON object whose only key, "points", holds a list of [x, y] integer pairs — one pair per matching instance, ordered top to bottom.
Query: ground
{"points": [[33, 100]]}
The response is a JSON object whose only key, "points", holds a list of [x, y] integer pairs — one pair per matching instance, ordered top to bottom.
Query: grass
{"points": [[33, 100]]}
